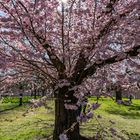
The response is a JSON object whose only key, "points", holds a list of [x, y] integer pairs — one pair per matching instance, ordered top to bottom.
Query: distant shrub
{"points": [[16, 99]]}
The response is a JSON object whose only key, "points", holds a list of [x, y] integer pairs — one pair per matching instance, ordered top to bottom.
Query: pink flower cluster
{"points": [[63, 136]]}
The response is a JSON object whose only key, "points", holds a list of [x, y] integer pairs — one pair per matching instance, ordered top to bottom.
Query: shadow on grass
{"points": [[134, 107], [8, 109], [132, 112], [132, 136]]}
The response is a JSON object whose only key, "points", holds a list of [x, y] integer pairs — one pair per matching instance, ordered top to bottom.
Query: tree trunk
{"points": [[35, 91], [38, 92], [43, 92], [32, 93], [118, 95], [20, 99], [64, 118]]}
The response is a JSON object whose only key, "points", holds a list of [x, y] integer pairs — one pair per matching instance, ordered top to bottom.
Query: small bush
{"points": [[16, 99]]}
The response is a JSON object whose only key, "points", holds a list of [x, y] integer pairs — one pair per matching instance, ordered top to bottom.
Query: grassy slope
{"points": [[125, 117], [38, 123]]}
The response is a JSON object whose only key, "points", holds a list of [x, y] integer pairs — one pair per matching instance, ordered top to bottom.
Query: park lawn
{"points": [[126, 119], [38, 123], [15, 124]]}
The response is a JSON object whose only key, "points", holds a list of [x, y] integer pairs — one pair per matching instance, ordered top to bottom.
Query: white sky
{"points": [[65, 1]]}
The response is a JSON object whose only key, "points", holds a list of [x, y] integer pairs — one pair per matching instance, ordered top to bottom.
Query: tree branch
{"points": [[114, 59], [55, 60]]}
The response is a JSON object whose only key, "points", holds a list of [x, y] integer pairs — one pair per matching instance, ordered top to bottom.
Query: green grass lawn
{"points": [[126, 118], [38, 123], [15, 124]]}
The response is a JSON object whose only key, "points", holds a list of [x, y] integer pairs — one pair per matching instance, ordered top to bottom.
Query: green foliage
{"points": [[16, 99]]}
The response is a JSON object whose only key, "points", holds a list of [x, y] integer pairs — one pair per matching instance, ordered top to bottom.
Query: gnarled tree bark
{"points": [[66, 118]]}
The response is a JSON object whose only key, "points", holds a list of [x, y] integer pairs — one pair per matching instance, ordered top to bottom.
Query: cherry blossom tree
{"points": [[67, 42]]}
